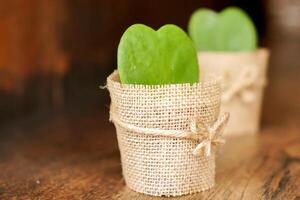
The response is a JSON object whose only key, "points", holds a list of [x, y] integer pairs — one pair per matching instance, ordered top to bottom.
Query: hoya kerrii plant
{"points": [[230, 30], [149, 57]]}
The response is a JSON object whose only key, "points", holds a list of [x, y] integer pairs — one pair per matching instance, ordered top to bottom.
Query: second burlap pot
{"points": [[244, 79], [165, 135]]}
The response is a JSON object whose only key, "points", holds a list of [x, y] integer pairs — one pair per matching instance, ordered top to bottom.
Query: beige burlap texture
{"points": [[244, 79], [166, 134]]}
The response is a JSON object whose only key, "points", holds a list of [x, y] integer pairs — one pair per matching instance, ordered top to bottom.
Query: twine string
{"points": [[248, 77], [207, 136]]}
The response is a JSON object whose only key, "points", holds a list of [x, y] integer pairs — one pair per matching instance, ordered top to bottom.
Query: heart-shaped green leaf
{"points": [[231, 30], [150, 57]]}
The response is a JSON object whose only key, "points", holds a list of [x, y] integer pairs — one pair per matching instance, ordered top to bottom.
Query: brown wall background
{"points": [[54, 54]]}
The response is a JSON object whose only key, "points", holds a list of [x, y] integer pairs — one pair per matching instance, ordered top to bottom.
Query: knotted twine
{"points": [[243, 84], [207, 136], [158, 161]]}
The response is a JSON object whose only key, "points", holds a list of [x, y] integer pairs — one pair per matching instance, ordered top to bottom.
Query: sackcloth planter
{"points": [[244, 80], [167, 135]]}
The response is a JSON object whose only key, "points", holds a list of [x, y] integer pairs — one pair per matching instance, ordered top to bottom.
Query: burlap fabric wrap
{"points": [[244, 79], [154, 163]]}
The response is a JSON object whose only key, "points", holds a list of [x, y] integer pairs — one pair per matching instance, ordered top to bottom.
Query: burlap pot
{"points": [[244, 79], [159, 137]]}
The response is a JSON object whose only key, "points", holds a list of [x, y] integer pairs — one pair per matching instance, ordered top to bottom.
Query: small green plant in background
{"points": [[230, 30], [150, 57]]}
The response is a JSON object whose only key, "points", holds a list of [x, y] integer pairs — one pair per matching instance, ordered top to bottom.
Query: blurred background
{"points": [[54, 54]]}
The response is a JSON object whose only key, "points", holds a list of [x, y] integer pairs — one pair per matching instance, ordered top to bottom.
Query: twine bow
{"points": [[247, 78], [208, 135]]}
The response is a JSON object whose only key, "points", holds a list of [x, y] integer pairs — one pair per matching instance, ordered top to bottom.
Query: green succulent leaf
{"points": [[202, 27], [230, 30], [150, 57]]}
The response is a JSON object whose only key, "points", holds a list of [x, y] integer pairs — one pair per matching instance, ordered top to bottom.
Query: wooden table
{"points": [[75, 156]]}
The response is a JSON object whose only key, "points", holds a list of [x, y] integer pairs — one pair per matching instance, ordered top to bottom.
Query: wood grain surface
{"points": [[77, 157]]}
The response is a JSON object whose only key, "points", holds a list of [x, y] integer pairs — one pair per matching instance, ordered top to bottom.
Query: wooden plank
{"points": [[78, 158]]}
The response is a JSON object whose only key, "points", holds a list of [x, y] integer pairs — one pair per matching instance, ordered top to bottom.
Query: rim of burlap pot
{"points": [[235, 53], [114, 79], [139, 151]]}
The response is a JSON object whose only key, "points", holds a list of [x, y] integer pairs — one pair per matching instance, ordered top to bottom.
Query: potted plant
{"points": [[227, 46], [167, 121]]}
